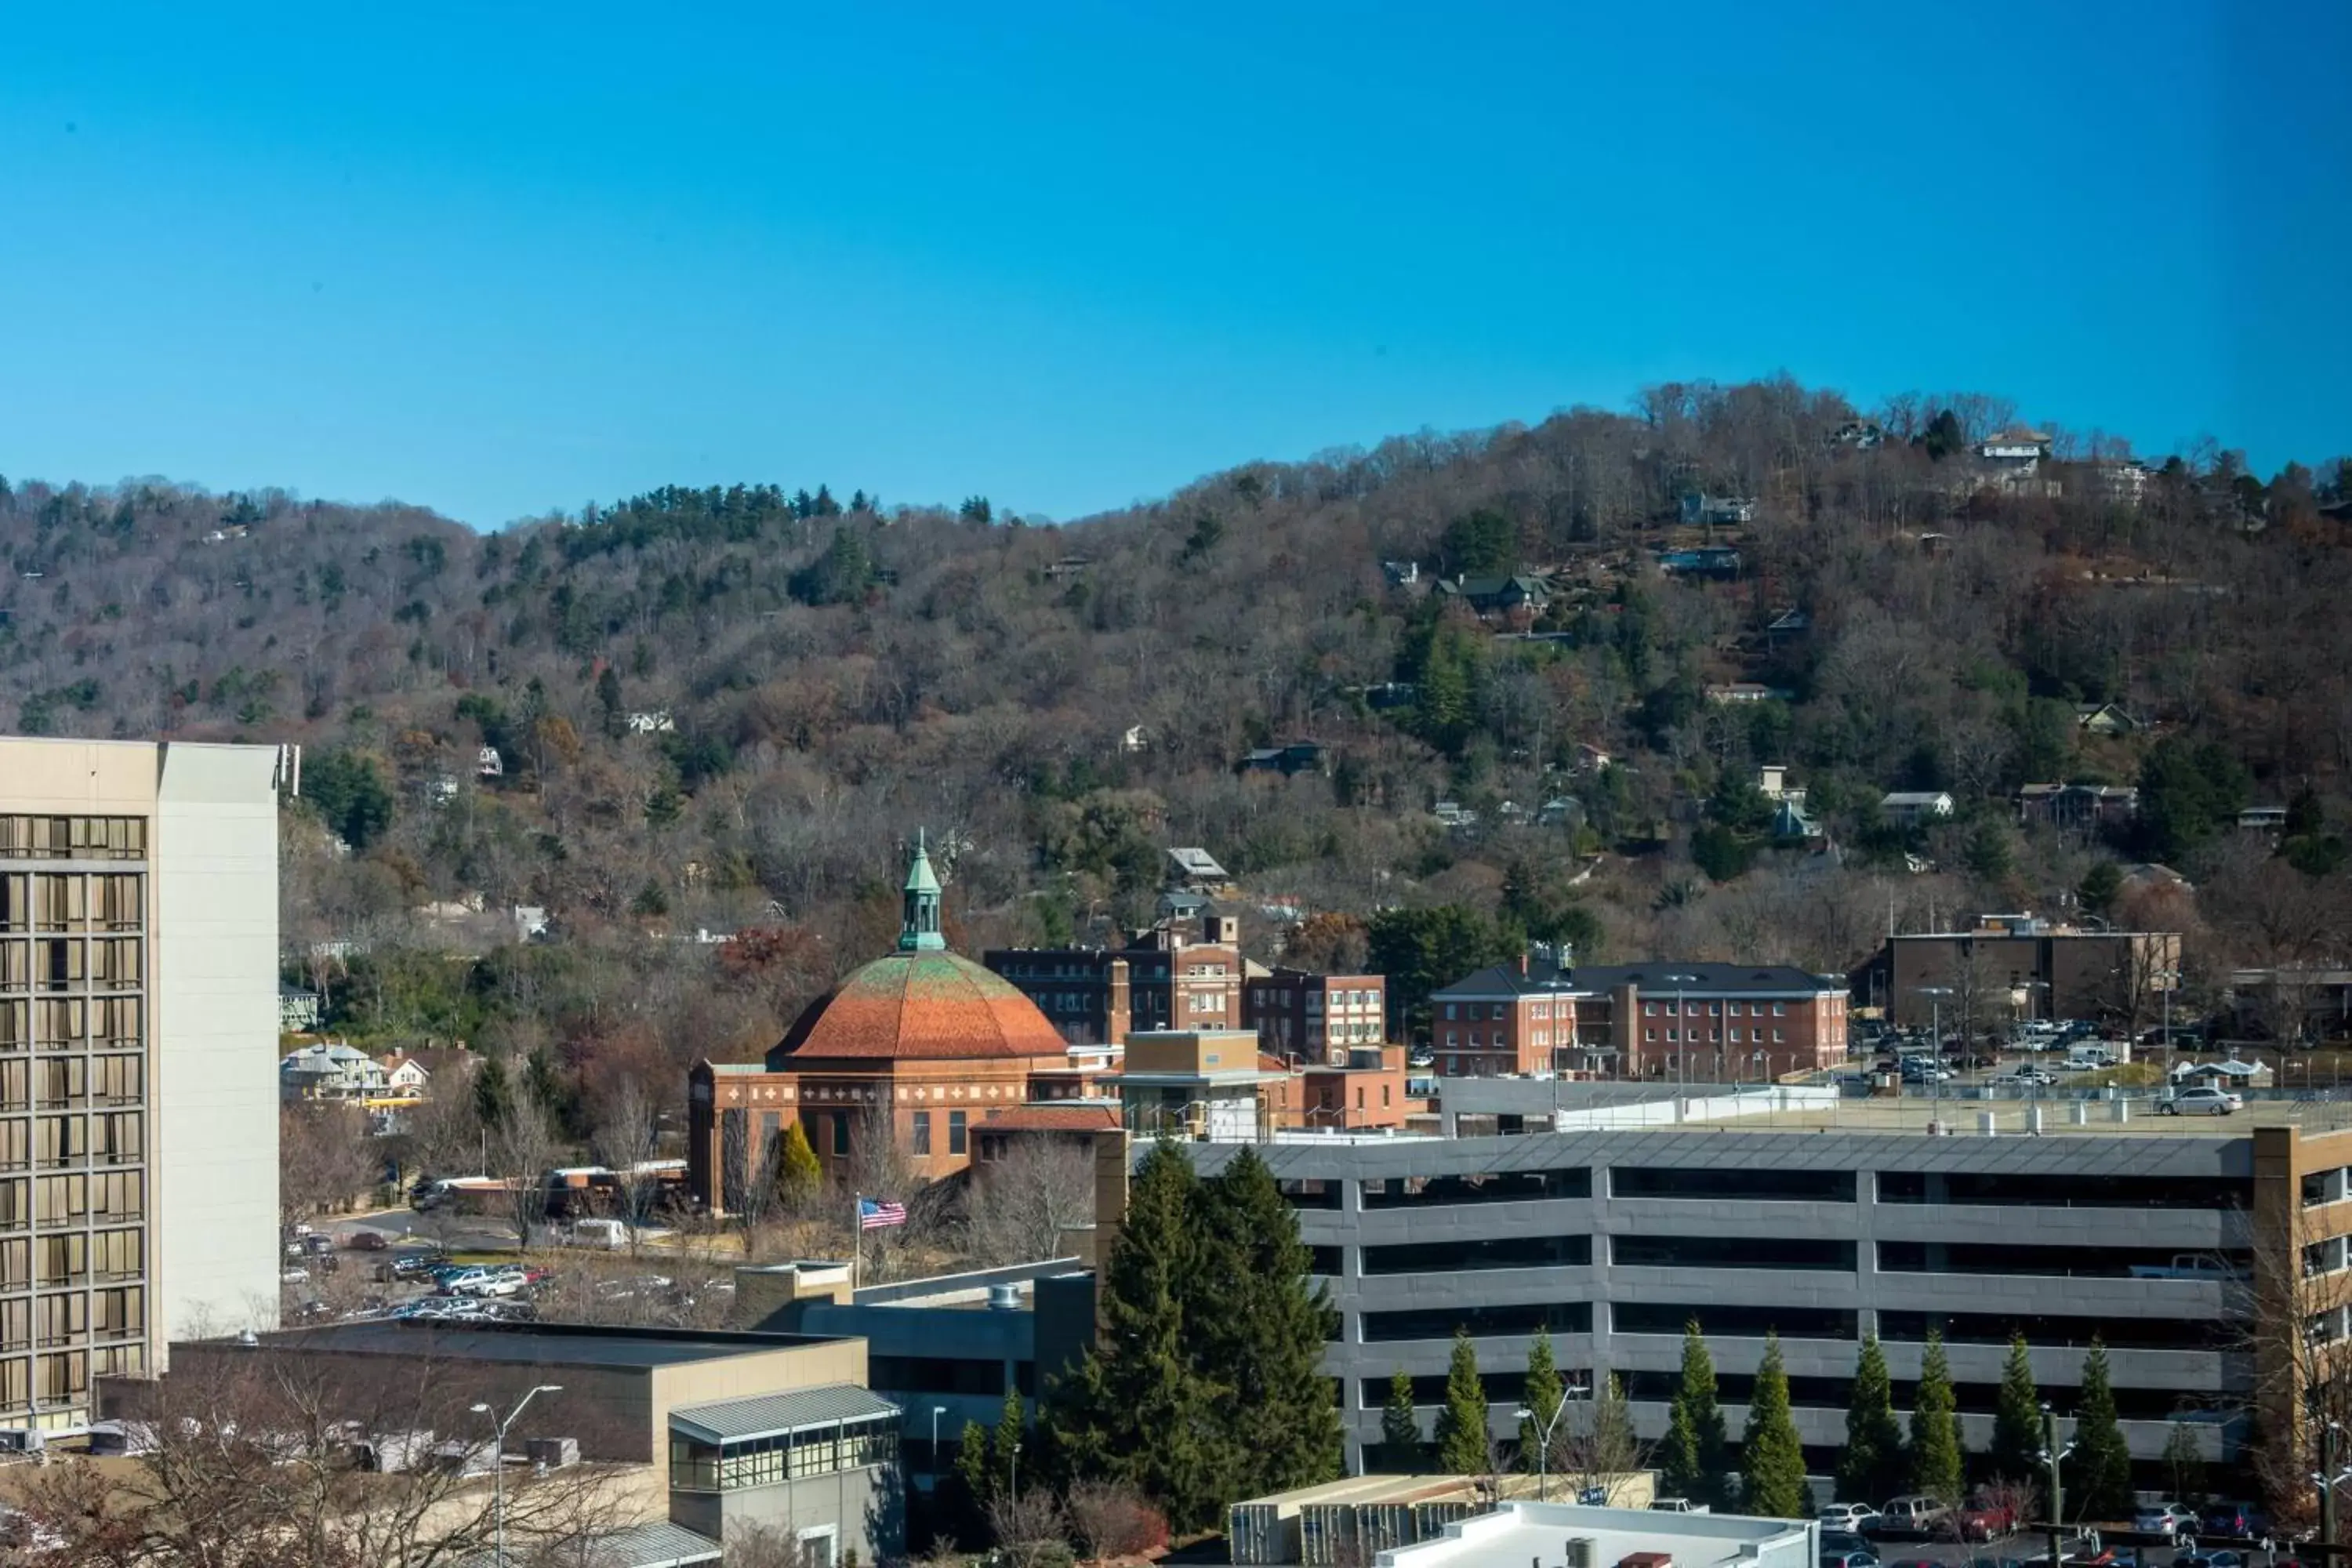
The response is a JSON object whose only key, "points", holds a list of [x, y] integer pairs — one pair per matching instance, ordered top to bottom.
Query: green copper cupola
{"points": [[920, 933]]}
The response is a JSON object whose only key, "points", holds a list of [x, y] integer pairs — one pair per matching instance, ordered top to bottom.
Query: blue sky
{"points": [[499, 260]]}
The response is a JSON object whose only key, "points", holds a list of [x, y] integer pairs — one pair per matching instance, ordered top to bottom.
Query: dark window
{"points": [[922, 1131], [955, 1131], [841, 1132], [1708, 1182], [1497, 1187], [2064, 1192], [1310, 1193], [1504, 1252], [1730, 1252], [1323, 1260], [2076, 1261], [1735, 1321], [1440, 1322], [2047, 1332], [936, 1375], [1502, 1387], [1739, 1388]]}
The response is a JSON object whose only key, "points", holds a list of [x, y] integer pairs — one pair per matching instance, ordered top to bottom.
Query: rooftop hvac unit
{"points": [[1004, 1298], [20, 1441], [554, 1453], [1580, 1552]]}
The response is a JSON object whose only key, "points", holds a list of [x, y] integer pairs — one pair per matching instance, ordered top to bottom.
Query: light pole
{"points": [[1936, 994], [1682, 1027], [937, 1410], [1543, 1437], [2051, 1454], [499, 1468], [1016, 1469]]}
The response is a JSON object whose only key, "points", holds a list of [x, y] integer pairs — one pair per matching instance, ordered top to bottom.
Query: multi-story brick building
{"points": [[2019, 966], [1176, 976], [1315, 1017], [1514, 1017], [1714, 1022], [138, 1059]]}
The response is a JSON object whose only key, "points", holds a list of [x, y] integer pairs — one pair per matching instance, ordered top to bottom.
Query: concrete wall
{"points": [[213, 1085], [1863, 1290], [865, 1508]]}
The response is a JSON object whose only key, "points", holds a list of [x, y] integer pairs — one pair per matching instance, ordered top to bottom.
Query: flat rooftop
{"points": [[2010, 1117], [550, 1345]]}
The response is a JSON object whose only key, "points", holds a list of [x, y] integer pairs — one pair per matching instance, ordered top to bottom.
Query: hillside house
{"points": [[1717, 511], [1704, 561], [1522, 596], [1746, 692], [2106, 719], [651, 722], [1290, 761], [488, 765], [2077, 807], [1913, 808], [2271, 819], [1196, 870], [298, 1011], [329, 1072]]}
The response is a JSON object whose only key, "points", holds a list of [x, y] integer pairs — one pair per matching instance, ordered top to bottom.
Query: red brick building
{"points": [[1178, 975], [1315, 1017], [1514, 1017], [1721, 1023], [920, 1046]]}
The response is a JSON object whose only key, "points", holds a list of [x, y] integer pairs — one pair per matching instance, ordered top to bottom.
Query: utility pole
{"points": [[2057, 1491]]}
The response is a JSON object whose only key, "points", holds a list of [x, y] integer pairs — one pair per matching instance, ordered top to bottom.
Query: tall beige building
{"points": [[138, 1059]]}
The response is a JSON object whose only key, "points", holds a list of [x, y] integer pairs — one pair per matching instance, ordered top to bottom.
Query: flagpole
{"points": [[857, 1241]]}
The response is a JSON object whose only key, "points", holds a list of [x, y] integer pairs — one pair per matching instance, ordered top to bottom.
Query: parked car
{"points": [[2202, 1100], [367, 1241], [317, 1246], [413, 1265], [1672, 1504], [1910, 1515], [1856, 1516], [1985, 1518], [2235, 1518], [2163, 1519], [1844, 1540], [1847, 1560], [2210, 1560]]}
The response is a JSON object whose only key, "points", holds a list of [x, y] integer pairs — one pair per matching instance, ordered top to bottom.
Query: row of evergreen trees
{"points": [[1697, 1460], [1879, 1460]]}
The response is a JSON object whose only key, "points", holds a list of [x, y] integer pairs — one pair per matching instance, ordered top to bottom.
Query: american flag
{"points": [[878, 1214]]}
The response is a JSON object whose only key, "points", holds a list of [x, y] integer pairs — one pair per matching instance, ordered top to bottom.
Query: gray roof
{"points": [[534, 1344], [773, 1415], [660, 1544]]}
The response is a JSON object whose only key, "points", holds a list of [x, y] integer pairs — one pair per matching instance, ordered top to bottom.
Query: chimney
{"points": [[1523, 964]]}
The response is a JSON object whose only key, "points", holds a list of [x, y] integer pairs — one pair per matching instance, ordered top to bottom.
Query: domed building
{"points": [[920, 1046]]}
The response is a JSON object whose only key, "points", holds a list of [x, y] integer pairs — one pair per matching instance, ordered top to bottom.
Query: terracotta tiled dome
{"points": [[916, 1007]]}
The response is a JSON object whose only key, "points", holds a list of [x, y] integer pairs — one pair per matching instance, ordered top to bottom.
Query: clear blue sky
{"points": [[497, 260]]}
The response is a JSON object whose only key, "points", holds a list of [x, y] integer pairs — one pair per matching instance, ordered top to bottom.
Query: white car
{"points": [[2202, 1101], [1856, 1516], [2163, 1519]]}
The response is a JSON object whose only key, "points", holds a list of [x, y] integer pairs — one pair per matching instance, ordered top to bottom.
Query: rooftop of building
{"points": [[1088, 1116], [547, 1344], [780, 1414], [1522, 1532]]}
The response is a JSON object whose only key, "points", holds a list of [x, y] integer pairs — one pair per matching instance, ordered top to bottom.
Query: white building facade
{"points": [[138, 1015]]}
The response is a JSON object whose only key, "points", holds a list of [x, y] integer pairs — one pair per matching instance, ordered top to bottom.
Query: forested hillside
{"points": [[723, 709]]}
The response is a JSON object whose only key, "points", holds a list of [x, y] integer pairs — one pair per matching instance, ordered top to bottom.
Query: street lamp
{"points": [[1936, 994], [1682, 1024], [937, 1410], [1543, 1437], [2051, 1454], [498, 1467], [1016, 1469]]}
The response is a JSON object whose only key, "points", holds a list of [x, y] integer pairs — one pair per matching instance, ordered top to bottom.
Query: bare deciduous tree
{"points": [[627, 1140], [523, 1147], [325, 1158], [1025, 1204]]}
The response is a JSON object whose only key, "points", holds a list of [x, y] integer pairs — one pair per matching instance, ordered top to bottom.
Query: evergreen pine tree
{"points": [[1259, 1324], [1543, 1395], [1136, 1409], [2016, 1418], [1400, 1427], [1936, 1428], [1005, 1443], [1461, 1445], [1695, 1458], [1775, 1461], [2184, 1465], [972, 1466], [1871, 1468], [2103, 1481]]}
